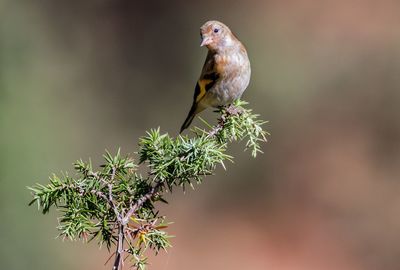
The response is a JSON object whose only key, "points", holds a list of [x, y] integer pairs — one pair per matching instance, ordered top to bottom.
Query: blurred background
{"points": [[78, 77]]}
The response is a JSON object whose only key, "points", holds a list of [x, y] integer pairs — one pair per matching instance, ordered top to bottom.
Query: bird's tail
{"points": [[195, 109]]}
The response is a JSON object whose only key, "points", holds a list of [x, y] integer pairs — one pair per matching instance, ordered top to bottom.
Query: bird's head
{"points": [[216, 35]]}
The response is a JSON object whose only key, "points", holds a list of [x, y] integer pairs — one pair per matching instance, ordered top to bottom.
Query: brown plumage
{"points": [[226, 71]]}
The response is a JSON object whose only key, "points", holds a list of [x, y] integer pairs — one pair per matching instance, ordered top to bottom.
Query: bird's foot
{"points": [[233, 110]]}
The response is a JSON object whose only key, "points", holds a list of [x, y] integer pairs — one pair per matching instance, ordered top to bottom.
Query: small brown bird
{"points": [[226, 71]]}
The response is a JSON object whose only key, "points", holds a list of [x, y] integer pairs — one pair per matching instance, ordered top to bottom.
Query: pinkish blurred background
{"points": [[77, 77]]}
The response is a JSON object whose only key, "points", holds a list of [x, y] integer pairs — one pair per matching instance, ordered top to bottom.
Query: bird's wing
{"points": [[209, 76]]}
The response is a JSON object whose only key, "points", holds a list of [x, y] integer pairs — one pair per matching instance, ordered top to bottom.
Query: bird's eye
{"points": [[216, 30]]}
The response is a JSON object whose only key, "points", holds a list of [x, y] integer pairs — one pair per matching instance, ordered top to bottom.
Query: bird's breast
{"points": [[227, 64], [234, 73]]}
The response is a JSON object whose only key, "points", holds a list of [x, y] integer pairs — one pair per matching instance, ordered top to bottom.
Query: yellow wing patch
{"points": [[201, 85]]}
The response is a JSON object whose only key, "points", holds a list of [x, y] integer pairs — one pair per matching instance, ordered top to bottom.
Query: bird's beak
{"points": [[205, 41]]}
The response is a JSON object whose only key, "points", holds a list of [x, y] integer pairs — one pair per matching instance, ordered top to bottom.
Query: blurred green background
{"points": [[78, 77]]}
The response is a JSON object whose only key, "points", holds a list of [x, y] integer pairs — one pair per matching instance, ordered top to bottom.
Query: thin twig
{"points": [[228, 111], [113, 174], [109, 200], [141, 201], [125, 220], [120, 248]]}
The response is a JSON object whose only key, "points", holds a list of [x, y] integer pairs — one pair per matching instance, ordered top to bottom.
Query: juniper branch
{"points": [[116, 205]]}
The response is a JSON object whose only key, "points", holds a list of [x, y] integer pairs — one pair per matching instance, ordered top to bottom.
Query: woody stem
{"points": [[120, 248]]}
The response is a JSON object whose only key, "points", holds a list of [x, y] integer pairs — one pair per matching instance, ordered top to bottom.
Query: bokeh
{"points": [[78, 77]]}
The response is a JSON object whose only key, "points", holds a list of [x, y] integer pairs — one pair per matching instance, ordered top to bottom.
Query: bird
{"points": [[226, 71]]}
